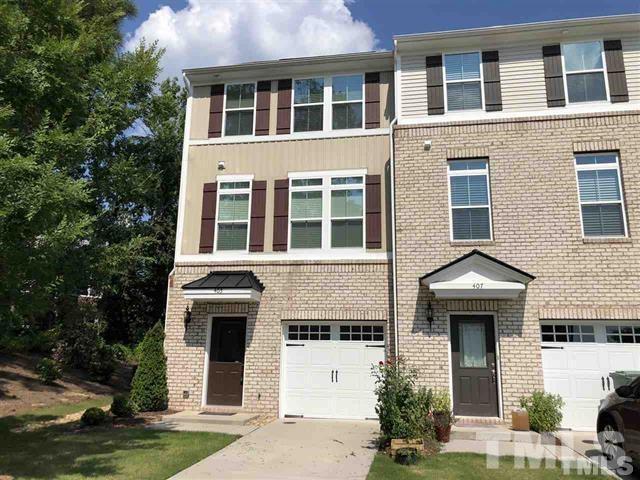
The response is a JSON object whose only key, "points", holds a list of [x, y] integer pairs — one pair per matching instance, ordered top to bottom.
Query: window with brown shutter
{"points": [[615, 71], [491, 75], [554, 81], [435, 87], [372, 100], [263, 103], [215, 110], [283, 125], [258, 205], [374, 211], [280, 215], [208, 221]]}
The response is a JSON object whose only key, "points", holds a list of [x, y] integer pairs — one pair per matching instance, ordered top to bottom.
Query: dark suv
{"points": [[619, 424]]}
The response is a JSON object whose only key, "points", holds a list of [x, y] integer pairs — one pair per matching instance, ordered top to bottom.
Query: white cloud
{"points": [[219, 32]]}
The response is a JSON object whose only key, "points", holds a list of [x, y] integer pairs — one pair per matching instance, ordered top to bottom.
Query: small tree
{"points": [[149, 386]]}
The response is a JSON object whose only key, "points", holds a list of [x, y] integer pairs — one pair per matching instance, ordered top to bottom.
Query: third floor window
{"points": [[584, 72], [463, 81], [308, 104], [239, 109]]}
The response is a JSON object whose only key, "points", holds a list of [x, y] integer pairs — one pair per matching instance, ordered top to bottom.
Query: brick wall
{"points": [[536, 224], [293, 291]]}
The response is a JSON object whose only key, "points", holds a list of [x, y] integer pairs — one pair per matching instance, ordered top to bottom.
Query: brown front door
{"points": [[473, 357], [226, 361]]}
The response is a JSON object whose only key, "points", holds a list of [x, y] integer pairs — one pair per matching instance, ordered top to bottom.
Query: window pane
{"points": [[582, 56], [462, 66], [586, 87], [347, 88], [309, 91], [247, 93], [240, 95], [233, 96], [464, 96], [347, 115], [307, 119], [239, 122], [467, 165], [346, 181], [306, 182], [231, 185], [598, 185], [469, 190], [346, 203], [306, 204], [233, 207], [602, 220], [471, 224], [346, 233], [306, 234], [232, 236], [546, 328], [586, 329], [472, 345]]}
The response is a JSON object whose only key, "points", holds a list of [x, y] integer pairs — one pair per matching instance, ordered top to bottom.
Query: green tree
{"points": [[149, 386]]}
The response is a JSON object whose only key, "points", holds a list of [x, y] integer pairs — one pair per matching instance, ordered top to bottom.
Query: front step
{"points": [[203, 418], [496, 433]]}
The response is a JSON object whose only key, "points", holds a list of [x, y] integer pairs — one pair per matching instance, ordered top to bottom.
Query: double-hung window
{"points": [[584, 71], [463, 81], [347, 102], [308, 104], [239, 106], [600, 193], [470, 199], [346, 212], [306, 213], [233, 215]]}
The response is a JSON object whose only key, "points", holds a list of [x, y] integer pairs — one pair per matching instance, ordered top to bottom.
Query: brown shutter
{"points": [[615, 71], [491, 74], [553, 75], [435, 87], [372, 100], [263, 102], [284, 107], [215, 110], [258, 205], [374, 211], [281, 215], [208, 222]]}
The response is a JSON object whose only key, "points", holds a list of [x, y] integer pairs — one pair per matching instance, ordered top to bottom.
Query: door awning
{"points": [[477, 275], [231, 286]]}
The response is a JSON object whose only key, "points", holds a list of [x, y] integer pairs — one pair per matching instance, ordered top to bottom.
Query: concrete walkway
{"points": [[294, 448]]}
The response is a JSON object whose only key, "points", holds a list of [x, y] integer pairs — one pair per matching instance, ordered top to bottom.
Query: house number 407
{"points": [[478, 286]]}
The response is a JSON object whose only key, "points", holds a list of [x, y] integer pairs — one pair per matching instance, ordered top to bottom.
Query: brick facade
{"points": [[536, 225], [331, 291]]}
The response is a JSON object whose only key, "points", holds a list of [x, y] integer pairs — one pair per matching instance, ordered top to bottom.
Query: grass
{"points": [[65, 451], [467, 466]]}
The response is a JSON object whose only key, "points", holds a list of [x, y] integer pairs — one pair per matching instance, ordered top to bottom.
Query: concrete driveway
{"points": [[294, 448]]}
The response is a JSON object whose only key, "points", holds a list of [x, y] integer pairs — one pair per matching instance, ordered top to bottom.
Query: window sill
{"points": [[607, 240], [469, 243]]}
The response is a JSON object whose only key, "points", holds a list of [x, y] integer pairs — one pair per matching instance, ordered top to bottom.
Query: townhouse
{"points": [[468, 202]]}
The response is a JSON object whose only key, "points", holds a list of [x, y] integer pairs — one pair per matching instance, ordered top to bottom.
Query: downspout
{"points": [[393, 239]]}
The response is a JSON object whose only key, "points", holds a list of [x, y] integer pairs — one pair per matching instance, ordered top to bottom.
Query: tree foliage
{"points": [[149, 386]]}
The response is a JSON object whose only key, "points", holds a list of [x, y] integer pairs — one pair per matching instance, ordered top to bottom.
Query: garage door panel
{"points": [[298, 356], [554, 359], [584, 360], [297, 379], [559, 384], [588, 387]]}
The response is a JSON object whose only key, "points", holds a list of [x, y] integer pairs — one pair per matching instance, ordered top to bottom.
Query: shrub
{"points": [[124, 353], [102, 363], [48, 371], [149, 386], [123, 407], [545, 411], [442, 413], [93, 416], [407, 456]]}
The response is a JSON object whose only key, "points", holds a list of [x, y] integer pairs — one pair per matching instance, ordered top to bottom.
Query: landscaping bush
{"points": [[48, 371], [149, 386], [123, 407], [545, 411], [93, 416], [407, 456]]}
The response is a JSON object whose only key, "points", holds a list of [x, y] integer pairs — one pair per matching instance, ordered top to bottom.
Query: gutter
{"points": [[393, 239]]}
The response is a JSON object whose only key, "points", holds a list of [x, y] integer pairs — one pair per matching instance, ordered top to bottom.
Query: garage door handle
{"points": [[295, 344], [374, 346], [547, 347], [331, 376], [602, 378], [608, 384]]}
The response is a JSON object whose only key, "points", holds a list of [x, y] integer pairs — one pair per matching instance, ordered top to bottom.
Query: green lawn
{"points": [[64, 452], [464, 466]]}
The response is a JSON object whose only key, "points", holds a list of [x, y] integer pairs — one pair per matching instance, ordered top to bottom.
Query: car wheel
{"points": [[610, 440]]}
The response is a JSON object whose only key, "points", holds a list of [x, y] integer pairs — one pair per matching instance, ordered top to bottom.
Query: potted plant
{"points": [[442, 415]]}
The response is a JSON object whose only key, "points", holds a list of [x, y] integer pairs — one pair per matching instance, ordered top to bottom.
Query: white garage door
{"points": [[577, 358], [327, 369]]}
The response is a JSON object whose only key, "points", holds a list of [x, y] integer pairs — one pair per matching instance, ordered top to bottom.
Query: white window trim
{"points": [[603, 70], [446, 82], [325, 88], [341, 102], [253, 109], [602, 166], [466, 173], [232, 178], [326, 188]]}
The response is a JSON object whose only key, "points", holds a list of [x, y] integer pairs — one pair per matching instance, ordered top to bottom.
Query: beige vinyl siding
{"points": [[631, 53], [522, 78], [413, 80], [199, 129], [272, 161]]}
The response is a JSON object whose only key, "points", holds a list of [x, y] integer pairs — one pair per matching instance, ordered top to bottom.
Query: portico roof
{"points": [[477, 275], [225, 286]]}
